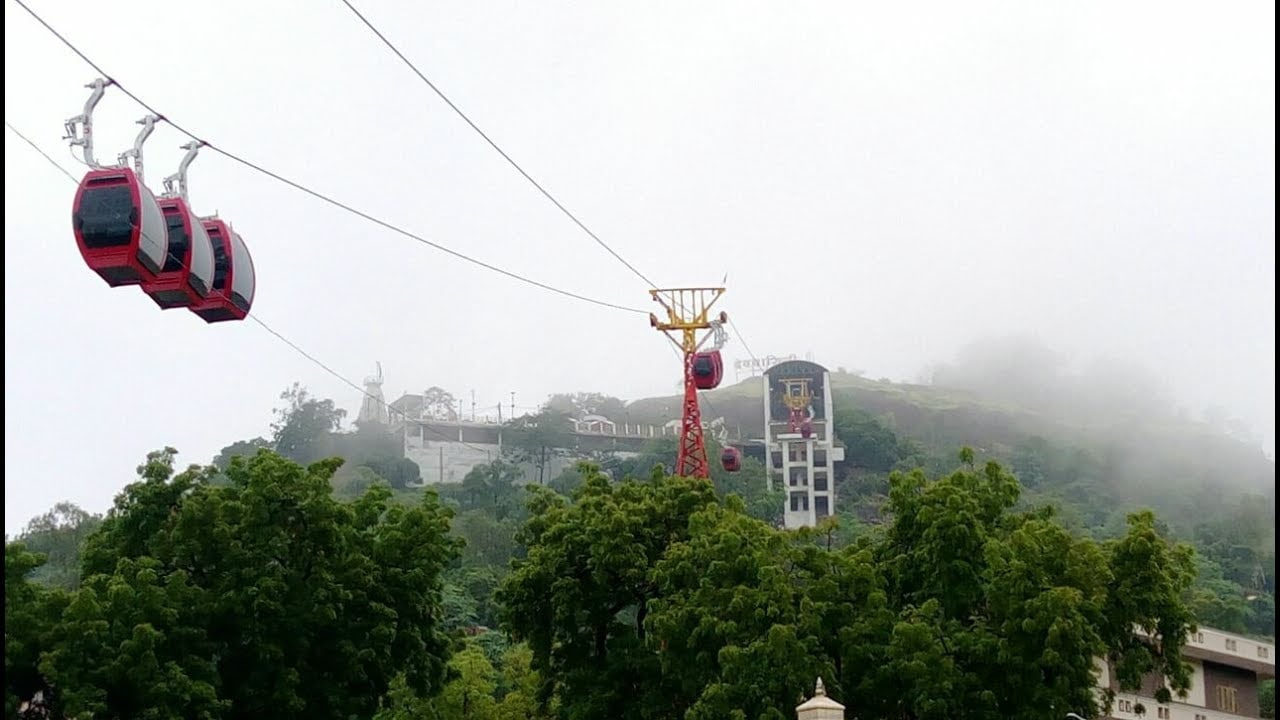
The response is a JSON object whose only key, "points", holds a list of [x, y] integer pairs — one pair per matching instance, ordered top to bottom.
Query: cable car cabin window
{"points": [[107, 215], [153, 240], [179, 240], [221, 260], [202, 264], [242, 280], [703, 366]]}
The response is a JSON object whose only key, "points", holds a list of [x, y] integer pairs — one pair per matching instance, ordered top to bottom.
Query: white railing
{"points": [[1233, 645], [1126, 705]]}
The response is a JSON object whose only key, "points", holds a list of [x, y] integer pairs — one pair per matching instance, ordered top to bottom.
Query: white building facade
{"points": [[800, 440], [1226, 670]]}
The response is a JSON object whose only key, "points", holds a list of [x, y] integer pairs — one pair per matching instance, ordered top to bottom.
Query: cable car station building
{"points": [[799, 439]]}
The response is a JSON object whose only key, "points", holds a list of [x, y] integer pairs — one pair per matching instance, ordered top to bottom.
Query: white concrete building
{"points": [[799, 440], [1226, 672]]}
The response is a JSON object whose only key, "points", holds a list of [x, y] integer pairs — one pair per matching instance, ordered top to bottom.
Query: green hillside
{"points": [[1093, 454], [1183, 468], [492, 598]]}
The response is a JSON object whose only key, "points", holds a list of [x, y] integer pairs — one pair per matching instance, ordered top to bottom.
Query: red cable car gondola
{"points": [[119, 227], [187, 276], [234, 283], [708, 369], [731, 459]]}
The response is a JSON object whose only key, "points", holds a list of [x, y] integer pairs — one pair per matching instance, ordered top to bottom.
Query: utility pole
{"points": [[513, 404], [473, 406]]}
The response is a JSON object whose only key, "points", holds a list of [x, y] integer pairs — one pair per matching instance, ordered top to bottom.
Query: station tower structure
{"points": [[800, 439]]}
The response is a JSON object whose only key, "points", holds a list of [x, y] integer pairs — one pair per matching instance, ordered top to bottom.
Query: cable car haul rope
{"points": [[130, 236]]}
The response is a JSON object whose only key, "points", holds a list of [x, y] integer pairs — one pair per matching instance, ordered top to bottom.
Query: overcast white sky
{"points": [[882, 182]]}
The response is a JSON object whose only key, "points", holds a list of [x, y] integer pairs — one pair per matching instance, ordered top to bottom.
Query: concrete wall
{"points": [[449, 461], [1207, 676], [1244, 682]]}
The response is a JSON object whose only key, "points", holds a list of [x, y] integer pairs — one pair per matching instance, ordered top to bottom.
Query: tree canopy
{"points": [[260, 585], [265, 597], [651, 599]]}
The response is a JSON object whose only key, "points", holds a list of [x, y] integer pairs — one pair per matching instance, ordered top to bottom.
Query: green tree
{"points": [[439, 404], [581, 404], [302, 427], [537, 439], [868, 443], [242, 448], [381, 451], [655, 452], [751, 484], [493, 488], [59, 535], [1150, 579], [265, 597], [581, 597], [650, 600], [30, 612], [746, 616], [136, 644], [519, 685], [469, 693]]}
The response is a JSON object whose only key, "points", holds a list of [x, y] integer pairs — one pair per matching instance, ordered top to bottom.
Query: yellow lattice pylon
{"points": [[688, 311]]}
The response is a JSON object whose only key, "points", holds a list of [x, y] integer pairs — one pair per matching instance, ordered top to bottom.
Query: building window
{"points": [[819, 457], [820, 482], [799, 502], [820, 507], [1199, 637], [1231, 644], [1264, 652], [1227, 699], [1125, 706], [1163, 713], [1200, 716]]}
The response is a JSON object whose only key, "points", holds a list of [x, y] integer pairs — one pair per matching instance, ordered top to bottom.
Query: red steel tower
{"points": [[688, 315]]}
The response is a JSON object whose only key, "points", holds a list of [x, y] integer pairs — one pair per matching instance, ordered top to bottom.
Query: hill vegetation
{"points": [[285, 580]]}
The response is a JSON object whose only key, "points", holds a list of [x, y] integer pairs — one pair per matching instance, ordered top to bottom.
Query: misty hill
{"points": [[1099, 443]]}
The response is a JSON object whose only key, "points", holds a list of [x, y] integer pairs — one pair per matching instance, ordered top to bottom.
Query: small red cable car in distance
{"points": [[231, 295], [708, 370], [731, 459]]}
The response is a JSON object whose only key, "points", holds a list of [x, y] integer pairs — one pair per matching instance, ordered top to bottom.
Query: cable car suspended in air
{"points": [[117, 222], [187, 276], [234, 283], [708, 370], [731, 459]]}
